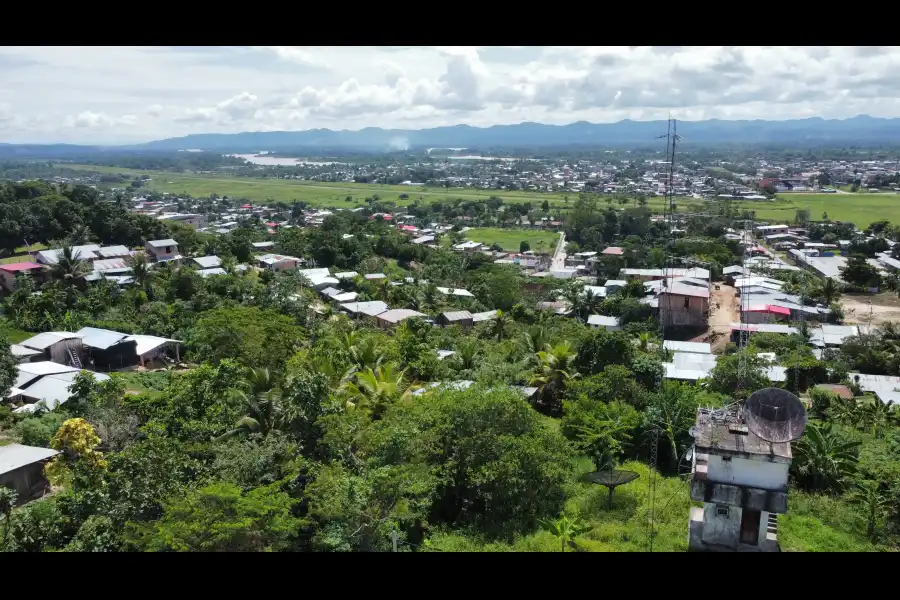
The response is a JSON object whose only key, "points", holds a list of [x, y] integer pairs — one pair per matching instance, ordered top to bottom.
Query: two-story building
{"points": [[163, 250]]}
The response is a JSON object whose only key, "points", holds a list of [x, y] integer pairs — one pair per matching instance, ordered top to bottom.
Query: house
{"points": [[191, 219], [425, 239], [262, 245], [468, 246], [163, 250], [613, 251], [83, 252], [114, 252], [207, 262], [279, 262], [213, 271], [9, 272], [346, 275], [374, 276], [318, 278], [459, 292], [684, 305], [367, 309], [764, 313], [488, 315], [389, 318], [463, 318], [603, 322], [56, 346], [687, 347], [23, 354], [46, 383], [22, 469], [742, 481]]}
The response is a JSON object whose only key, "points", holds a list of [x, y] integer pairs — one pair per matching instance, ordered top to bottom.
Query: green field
{"points": [[861, 208], [509, 239]]}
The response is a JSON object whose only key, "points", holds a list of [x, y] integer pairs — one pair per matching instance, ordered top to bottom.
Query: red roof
{"points": [[246, 206], [385, 217], [271, 224], [408, 228], [614, 250], [22, 266]]}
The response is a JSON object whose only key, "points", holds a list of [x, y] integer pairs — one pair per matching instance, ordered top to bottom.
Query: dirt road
{"points": [[559, 256], [721, 318]]}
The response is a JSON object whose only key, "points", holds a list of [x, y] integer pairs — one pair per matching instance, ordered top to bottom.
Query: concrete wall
{"points": [[161, 253], [673, 311], [750, 473], [721, 530]]}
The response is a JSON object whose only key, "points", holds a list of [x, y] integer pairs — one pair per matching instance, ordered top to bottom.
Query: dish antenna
{"points": [[775, 415]]}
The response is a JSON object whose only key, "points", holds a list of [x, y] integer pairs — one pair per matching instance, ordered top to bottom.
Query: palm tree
{"points": [[81, 234], [69, 265], [140, 269], [830, 290], [589, 304], [501, 322], [536, 339], [644, 339], [467, 351], [366, 354], [332, 369], [554, 371], [373, 390], [261, 400], [877, 416], [822, 460], [874, 502], [565, 530]]}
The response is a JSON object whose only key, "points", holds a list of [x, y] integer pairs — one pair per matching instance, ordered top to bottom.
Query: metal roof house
{"points": [[207, 262], [9, 272], [392, 317], [463, 318], [57, 346], [45, 383], [22, 469]]}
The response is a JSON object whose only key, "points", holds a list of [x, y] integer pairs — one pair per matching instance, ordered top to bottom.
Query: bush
{"points": [[39, 430]]}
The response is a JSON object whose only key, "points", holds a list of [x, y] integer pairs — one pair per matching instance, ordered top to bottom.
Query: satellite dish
{"points": [[775, 415], [693, 431]]}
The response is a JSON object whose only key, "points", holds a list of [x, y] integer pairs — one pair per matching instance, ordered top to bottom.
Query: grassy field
{"points": [[861, 208], [509, 239], [11, 333], [812, 524]]}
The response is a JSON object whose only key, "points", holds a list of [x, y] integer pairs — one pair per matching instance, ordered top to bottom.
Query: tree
{"points": [[545, 206], [524, 246], [69, 264], [140, 269], [860, 273], [830, 290], [500, 325], [254, 337], [601, 348], [8, 367], [556, 368], [739, 375], [374, 390], [260, 400], [76, 441], [823, 460], [874, 502], [7, 503], [221, 518], [565, 530]]}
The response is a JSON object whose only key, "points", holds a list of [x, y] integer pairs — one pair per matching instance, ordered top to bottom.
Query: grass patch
{"points": [[509, 239], [13, 334], [144, 382], [816, 523]]}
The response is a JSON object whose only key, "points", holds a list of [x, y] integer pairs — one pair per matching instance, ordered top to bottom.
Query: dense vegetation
{"points": [[292, 427]]}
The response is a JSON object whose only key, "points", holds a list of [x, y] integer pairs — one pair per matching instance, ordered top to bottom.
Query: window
{"points": [[168, 249], [687, 303], [721, 511]]}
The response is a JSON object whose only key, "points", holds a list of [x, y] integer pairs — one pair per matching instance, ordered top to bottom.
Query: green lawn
{"points": [[862, 208], [509, 239], [812, 523]]}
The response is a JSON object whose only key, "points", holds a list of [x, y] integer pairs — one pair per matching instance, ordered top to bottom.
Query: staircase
{"points": [[73, 358]]}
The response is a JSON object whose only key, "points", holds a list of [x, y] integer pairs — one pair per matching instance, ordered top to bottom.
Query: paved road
{"points": [[559, 256]]}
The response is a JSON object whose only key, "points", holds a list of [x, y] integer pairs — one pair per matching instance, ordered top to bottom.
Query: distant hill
{"points": [[861, 130]]}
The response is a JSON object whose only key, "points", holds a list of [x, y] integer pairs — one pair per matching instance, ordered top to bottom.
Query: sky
{"points": [[113, 95]]}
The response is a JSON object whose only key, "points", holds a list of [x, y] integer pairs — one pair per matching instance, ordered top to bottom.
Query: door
{"points": [[750, 527]]}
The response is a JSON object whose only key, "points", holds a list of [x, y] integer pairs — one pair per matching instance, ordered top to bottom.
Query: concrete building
{"points": [[163, 250], [279, 262], [683, 305], [390, 318], [463, 318], [604, 322], [22, 469], [742, 481]]}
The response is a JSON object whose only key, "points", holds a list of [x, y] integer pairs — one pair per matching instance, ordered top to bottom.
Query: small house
{"points": [[163, 250], [9, 272], [684, 305], [390, 318], [463, 318], [603, 322], [56, 346], [22, 469]]}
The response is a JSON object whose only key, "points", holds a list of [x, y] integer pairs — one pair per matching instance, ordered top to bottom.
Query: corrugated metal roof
{"points": [[162, 243], [114, 251], [208, 262], [110, 263], [213, 271], [455, 292], [370, 308], [398, 314], [459, 315], [487, 315], [603, 321], [100, 338], [42, 341], [148, 343], [694, 347], [20, 351], [16, 456]]}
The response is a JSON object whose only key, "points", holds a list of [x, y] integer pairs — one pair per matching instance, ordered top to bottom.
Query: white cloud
{"points": [[110, 95]]}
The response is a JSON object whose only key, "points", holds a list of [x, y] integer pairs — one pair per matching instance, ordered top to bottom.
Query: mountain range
{"points": [[859, 130]]}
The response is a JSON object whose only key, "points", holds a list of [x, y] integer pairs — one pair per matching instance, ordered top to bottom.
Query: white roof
{"points": [[162, 243], [261, 245], [84, 252], [208, 262], [213, 271], [346, 275], [372, 276], [455, 292], [371, 308], [398, 314], [484, 316], [603, 321], [100, 338], [42, 341], [147, 343], [693, 347], [20, 351], [886, 387], [16, 456]]}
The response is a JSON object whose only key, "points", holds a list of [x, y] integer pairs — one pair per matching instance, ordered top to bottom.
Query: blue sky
{"points": [[129, 94]]}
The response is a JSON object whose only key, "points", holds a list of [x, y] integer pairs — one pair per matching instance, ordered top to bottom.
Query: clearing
{"points": [[509, 239], [881, 308]]}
